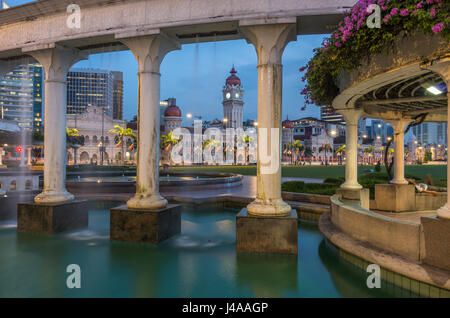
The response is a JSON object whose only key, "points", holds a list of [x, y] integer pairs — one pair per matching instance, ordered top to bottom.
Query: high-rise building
{"points": [[3, 4], [88, 87], [117, 95], [21, 97], [232, 101], [328, 114], [431, 133]]}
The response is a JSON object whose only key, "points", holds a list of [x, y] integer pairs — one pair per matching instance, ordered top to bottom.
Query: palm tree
{"points": [[121, 133], [246, 140], [74, 141], [168, 141], [211, 143], [294, 147], [325, 148], [369, 150], [339, 152]]}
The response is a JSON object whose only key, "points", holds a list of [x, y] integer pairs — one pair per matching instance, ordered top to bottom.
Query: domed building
{"points": [[233, 103], [172, 116]]}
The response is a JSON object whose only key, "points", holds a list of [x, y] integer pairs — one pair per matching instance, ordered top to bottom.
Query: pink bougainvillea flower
{"points": [[438, 28]]}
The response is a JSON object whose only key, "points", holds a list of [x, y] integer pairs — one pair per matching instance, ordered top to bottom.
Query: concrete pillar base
{"points": [[362, 195], [53, 197], [395, 197], [154, 202], [275, 208], [444, 212], [52, 218], [146, 226], [267, 234], [436, 235]]}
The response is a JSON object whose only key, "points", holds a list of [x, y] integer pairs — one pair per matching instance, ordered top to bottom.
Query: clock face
{"points": [[228, 95], [237, 95]]}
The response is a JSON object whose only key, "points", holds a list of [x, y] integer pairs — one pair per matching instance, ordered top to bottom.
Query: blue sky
{"points": [[196, 74]]}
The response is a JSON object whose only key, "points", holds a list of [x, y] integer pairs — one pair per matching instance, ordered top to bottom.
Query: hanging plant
{"points": [[353, 41]]}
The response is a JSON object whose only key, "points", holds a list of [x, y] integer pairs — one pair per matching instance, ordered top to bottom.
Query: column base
{"points": [[400, 182], [351, 186], [362, 195], [50, 197], [395, 197], [154, 202], [274, 208], [444, 212], [51, 218], [146, 226], [267, 234], [436, 235]]}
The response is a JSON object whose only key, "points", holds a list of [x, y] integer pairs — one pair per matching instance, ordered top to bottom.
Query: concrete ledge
{"points": [[306, 197], [395, 197], [52, 218], [146, 226], [267, 234], [399, 237], [436, 242], [413, 269]]}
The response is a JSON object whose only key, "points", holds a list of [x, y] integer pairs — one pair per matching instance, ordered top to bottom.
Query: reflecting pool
{"points": [[201, 262]]}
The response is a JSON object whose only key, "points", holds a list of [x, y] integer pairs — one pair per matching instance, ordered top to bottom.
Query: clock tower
{"points": [[232, 101]]}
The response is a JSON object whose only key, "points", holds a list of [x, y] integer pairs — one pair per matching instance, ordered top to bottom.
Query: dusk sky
{"points": [[195, 76]]}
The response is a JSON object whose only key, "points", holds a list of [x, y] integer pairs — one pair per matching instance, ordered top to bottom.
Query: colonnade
{"points": [[269, 37]]}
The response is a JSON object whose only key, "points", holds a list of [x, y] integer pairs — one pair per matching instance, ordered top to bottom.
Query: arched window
{"points": [[94, 140], [13, 185], [28, 185]]}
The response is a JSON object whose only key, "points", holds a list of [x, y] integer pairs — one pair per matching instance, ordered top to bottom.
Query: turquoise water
{"points": [[201, 262]]}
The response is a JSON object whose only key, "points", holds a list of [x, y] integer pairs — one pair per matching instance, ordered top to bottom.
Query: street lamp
{"points": [[189, 115]]}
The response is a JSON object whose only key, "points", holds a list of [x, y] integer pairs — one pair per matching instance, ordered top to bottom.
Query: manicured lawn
{"points": [[321, 172]]}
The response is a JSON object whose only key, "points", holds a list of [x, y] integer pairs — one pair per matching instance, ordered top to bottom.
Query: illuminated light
{"points": [[434, 90], [189, 115], [19, 149]]}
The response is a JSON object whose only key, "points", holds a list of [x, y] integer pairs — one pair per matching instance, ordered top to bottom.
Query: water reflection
{"points": [[267, 275]]}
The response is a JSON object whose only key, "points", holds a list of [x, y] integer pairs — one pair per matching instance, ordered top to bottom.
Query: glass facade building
{"points": [[87, 87], [21, 96], [328, 115]]}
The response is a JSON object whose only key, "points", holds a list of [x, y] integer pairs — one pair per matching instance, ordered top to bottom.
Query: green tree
{"points": [[119, 139]]}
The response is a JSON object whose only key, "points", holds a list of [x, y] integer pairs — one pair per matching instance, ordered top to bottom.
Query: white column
{"points": [[269, 41], [149, 51], [56, 62], [443, 69], [351, 149], [399, 150], [29, 156], [444, 212]]}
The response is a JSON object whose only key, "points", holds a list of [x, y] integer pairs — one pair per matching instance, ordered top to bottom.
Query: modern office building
{"points": [[3, 4], [89, 87], [117, 95], [21, 97], [327, 114], [431, 133]]}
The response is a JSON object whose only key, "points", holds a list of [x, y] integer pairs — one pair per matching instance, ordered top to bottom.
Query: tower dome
{"points": [[233, 80], [172, 110], [287, 124]]}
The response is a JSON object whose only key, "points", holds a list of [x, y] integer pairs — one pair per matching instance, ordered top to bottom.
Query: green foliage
{"points": [[354, 42], [428, 156]]}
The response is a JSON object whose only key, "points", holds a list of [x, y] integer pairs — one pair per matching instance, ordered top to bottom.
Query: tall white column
{"points": [[269, 41], [149, 51], [56, 62], [442, 67], [351, 148], [399, 150]]}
